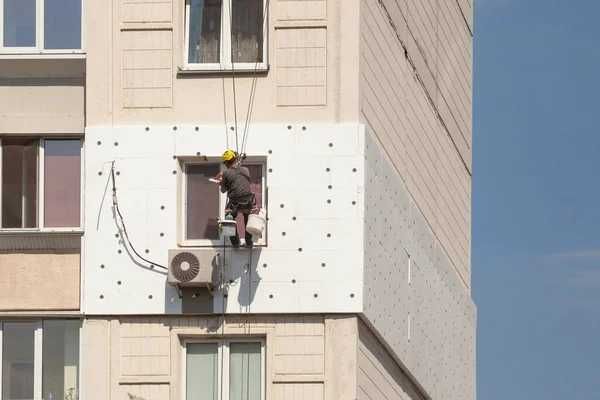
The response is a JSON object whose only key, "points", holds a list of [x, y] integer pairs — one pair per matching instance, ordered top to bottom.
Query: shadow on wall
{"points": [[234, 271]]}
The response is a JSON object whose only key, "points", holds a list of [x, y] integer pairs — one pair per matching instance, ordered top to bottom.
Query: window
{"points": [[40, 25], [221, 34], [40, 183], [204, 204], [40, 359], [237, 365]]}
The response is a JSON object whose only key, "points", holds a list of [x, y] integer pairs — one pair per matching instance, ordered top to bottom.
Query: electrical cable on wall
{"points": [[123, 228]]}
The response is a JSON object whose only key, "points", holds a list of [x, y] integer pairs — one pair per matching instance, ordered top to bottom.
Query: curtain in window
{"points": [[247, 30], [204, 31], [19, 183], [62, 183], [202, 199], [60, 357], [17, 360], [201, 371], [244, 371]]}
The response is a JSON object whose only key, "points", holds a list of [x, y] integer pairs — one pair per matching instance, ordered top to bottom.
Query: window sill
{"points": [[42, 55], [243, 70], [46, 231], [203, 244]]}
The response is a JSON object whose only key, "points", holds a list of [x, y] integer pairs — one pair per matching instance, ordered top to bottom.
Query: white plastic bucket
{"points": [[257, 223]]}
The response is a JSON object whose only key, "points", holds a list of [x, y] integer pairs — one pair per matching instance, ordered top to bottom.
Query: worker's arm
{"points": [[224, 181]]}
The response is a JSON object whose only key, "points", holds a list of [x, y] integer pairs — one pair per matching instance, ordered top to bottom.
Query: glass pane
{"points": [[19, 23], [62, 24], [204, 31], [247, 31], [19, 183], [62, 183], [202, 202], [60, 357], [17, 360], [201, 371], [244, 371]]}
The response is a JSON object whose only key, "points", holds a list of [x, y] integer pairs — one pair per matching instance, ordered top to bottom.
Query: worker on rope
{"points": [[235, 181]]}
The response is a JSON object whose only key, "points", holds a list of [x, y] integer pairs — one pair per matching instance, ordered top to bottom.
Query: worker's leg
{"points": [[247, 235], [235, 240]]}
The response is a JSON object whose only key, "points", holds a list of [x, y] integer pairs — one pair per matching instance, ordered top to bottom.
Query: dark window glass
{"points": [[19, 23], [62, 24], [204, 31], [247, 31], [19, 183], [62, 183], [202, 202], [60, 358], [17, 360]]}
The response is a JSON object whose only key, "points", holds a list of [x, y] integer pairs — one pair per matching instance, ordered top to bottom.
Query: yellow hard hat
{"points": [[229, 155]]}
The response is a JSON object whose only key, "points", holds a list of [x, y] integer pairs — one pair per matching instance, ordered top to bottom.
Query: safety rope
{"points": [[251, 98], [237, 148]]}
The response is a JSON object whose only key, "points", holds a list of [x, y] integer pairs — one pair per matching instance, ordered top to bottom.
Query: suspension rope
{"points": [[250, 108], [225, 112], [237, 148], [223, 296]]}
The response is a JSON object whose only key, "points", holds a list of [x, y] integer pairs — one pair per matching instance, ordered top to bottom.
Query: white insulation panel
{"points": [[315, 189]]}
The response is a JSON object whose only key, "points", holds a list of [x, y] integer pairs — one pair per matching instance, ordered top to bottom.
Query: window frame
{"points": [[39, 49], [225, 63], [184, 163], [40, 192], [38, 351], [223, 360]]}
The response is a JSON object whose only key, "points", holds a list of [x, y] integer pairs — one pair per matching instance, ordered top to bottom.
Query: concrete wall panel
{"points": [[396, 103], [31, 281], [413, 296], [151, 348], [379, 375]]}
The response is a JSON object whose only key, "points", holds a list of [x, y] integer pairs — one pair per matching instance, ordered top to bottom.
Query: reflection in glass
{"points": [[19, 23], [62, 24], [204, 31], [60, 359], [17, 360]]}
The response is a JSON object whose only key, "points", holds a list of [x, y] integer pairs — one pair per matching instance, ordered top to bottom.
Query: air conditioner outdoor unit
{"points": [[188, 268]]}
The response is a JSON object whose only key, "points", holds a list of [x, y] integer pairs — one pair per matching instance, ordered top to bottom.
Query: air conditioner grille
{"points": [[185, 266]]}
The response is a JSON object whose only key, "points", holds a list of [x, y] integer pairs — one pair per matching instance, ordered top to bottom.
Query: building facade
{"points": [[355, 116]]}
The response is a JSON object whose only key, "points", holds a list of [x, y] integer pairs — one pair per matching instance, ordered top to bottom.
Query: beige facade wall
{"points": [[136, 53], [415, 95], [42, 97], [39, 281], [307, 357], [379, 375]]}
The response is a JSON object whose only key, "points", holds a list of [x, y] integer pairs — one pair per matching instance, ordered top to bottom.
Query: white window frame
{"points": [[39, 49], [225, 63], [40, 192], [183, 240], [38, 351], [223, 360]]}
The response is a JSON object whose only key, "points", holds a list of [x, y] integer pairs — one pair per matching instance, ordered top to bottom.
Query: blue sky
{"points": [[536, 199]]}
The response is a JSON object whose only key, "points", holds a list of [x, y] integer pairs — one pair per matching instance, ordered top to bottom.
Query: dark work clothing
{"points": [[236, 182], [235, 240]]}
